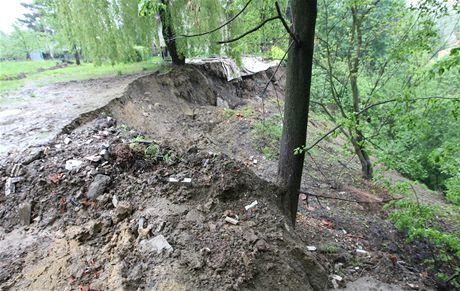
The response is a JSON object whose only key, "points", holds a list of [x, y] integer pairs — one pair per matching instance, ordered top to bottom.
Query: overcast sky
{"points": [[9, 11]]}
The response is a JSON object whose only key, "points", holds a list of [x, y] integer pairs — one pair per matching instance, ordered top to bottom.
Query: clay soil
{"points": [[159, 220]]}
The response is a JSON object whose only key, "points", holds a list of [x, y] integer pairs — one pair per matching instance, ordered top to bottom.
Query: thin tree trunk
{"points": [[169, 35], [298, 81], [357, 137]]}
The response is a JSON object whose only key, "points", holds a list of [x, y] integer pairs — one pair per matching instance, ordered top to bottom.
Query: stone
{"points": [[104, 122], [71, 165], [98, 186], [124, 209], [25, 213], [157, 244]]}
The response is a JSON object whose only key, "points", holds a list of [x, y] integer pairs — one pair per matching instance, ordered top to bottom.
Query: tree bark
{"points": [[168, 32], [354, 54], [297, 102]]}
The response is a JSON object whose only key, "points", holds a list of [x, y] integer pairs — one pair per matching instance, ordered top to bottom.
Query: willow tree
{"points": [[182, 23], [102, 30]]}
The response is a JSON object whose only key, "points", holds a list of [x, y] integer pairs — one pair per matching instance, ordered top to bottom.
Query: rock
{"points": [[104, 122], [67, 140], [34, 155], [71, 165], [98, 186], [124, 209], [25, 212], [194, 216], [157, 244]]}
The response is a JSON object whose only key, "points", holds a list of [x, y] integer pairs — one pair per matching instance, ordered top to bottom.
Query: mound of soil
{"points": [[147, 227]]}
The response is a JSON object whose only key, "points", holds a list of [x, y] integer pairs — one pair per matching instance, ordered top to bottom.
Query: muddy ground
{"points": [[155, 180]]}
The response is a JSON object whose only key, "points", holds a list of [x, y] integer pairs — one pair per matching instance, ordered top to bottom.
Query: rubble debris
{"points": [[104, 122], [67, 140], [34, 155], [93, 158], [71, 165], [16, 170], [56, 178], [173, 180], [187, 180], [10, 185], [98, 186], [115, 201], [252, 205], [124, 209], [25, 213], [231, 220], [160, 226], [157, 244], [361, 252]]}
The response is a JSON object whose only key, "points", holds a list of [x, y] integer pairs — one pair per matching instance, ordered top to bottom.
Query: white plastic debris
{"points": [[67, 140], [254, 162], [73, 165], [173, 180], [187, 180], [115, 201], [252, 205], [231, 220], [140, 225], [311, 248], [361, 252], [336, 277]]}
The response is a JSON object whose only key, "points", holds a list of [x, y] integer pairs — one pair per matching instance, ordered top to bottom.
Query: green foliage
{"points": [[276, 53], [266, 136], [152, 152], [425, 222]]}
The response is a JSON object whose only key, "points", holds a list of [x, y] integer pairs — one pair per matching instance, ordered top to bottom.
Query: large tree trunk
{"points": [[169, 35], [298, 81]]}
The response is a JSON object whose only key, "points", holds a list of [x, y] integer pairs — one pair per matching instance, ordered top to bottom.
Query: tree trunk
{"points": [[169, 35], [354, 54], [76, 55], [77, 58], [297, 102]]}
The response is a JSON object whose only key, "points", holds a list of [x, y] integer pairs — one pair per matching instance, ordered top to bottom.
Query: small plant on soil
{"points": [[266, 136], [152, 152], [329, 249]]}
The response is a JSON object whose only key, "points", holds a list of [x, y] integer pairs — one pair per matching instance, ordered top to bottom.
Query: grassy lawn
{"points": [[71, 72]]}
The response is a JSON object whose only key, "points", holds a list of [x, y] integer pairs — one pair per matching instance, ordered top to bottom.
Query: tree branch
{"points": [[286, 26], [219, 27], [249, 31], [331, 131]]}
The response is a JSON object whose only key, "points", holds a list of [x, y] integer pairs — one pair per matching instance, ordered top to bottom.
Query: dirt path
{"points": [[35, 115]]}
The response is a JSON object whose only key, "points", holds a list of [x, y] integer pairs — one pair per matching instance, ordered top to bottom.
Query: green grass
{"points": [[71, 72]]}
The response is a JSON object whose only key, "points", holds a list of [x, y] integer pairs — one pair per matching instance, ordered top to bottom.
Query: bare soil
{"points": [[74, 242]]}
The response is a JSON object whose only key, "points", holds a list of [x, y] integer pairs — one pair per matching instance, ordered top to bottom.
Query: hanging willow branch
{"points": [[221, 26], [249, 31]]}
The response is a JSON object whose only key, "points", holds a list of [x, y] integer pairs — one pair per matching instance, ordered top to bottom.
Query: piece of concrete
{"points": [[71, 165], [98, 186], [157, 244]]}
